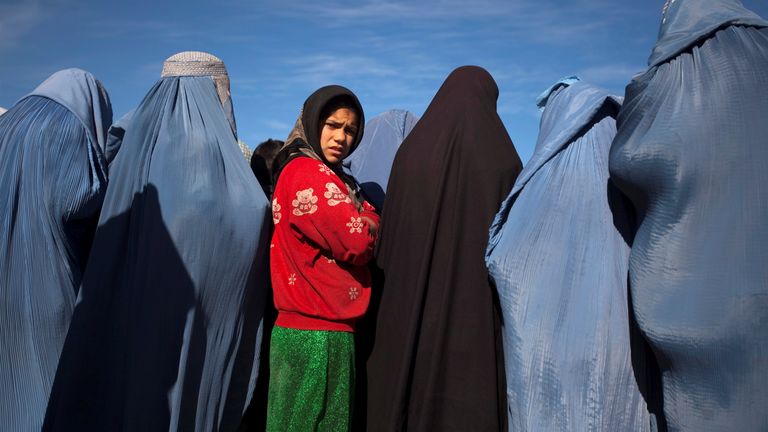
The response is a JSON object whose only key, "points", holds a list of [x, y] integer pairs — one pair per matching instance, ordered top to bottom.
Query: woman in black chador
{"points": [[437, 361]]}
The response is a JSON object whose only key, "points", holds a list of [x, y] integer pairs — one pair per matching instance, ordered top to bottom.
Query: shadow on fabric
{"points": [[373, 193], [365, 337], [123, 354], [644, 365], [255, 415]]}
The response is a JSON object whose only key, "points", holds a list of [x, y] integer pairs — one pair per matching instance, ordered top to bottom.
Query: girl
{"points": [[323, 239]]}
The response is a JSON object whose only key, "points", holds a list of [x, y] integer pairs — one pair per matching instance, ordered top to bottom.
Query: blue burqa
{"points": [[691, 152], [372, 159], [52, 182], [558, 256], [167, 329]]}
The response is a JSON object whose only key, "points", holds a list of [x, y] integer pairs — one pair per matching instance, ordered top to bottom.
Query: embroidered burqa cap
{"points": [[198, 63], [247, 152]]}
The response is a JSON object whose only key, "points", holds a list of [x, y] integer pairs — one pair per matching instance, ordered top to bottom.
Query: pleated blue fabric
{"points": [[116, 133], [690, 153], [371, 161], [52, 182], [558, 256], [167, 327]]}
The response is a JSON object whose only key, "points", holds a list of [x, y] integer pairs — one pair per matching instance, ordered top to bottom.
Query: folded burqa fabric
{"points": [[116, 133], [690, 153], [372, 159], [370, 165], [53, 175], [558, 256], [167, 328], [437, 359]]}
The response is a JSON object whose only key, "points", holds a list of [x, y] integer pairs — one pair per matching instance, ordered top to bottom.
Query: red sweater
{"points": [[320, 250]]}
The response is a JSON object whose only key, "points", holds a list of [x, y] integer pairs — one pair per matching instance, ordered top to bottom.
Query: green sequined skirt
{"points": [[311, 380]]}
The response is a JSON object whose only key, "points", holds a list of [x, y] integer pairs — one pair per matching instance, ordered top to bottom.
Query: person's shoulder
{"points": [[307, 167]]}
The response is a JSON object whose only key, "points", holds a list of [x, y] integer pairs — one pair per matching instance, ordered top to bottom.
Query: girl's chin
{"points": [[333, 160]]}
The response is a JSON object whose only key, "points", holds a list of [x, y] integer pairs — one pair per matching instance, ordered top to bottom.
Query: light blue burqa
{"points": [[690, 153], [371, 161], [53, 175], [558, 256], [166, 332]]}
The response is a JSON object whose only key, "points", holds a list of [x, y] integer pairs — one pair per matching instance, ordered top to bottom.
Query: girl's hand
{"points": [[372, 227]]}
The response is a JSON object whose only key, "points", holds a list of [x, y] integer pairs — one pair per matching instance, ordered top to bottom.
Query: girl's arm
{"points": [[321, 211]]}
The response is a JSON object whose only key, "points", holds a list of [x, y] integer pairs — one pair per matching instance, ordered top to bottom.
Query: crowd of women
{"points": [[401, 274]]}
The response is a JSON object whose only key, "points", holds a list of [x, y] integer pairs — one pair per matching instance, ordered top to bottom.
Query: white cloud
{"points": [[389, 10], [17, 19], [547, 21], [146, 29], [321, 68], [608, 74], [278, 126]]}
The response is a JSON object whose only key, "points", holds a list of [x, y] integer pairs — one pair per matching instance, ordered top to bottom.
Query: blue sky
{"points": [[393, 54]]}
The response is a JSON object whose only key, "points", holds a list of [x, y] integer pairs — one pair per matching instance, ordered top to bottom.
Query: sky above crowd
{"points": [[392, 54]]}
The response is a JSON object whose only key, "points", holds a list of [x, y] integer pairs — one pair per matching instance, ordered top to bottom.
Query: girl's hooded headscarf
{"points": [[304, 139]]}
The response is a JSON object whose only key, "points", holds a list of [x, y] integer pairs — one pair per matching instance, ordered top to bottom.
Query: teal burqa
{"points": [[372, 160]]}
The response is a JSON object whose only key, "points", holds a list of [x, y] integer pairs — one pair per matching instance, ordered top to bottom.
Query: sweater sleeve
{"points": [[320, 210]]}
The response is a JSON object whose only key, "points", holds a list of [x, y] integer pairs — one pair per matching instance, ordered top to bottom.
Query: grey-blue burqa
{"points": [[691, 152], [371, 161], [53, 175], [558, 256], [167, 329]]}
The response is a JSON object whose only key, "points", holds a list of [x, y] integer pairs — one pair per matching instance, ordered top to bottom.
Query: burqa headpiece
{"points": [[196, 63]]}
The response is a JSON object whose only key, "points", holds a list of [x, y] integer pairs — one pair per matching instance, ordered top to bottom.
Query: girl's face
{"points": [[337, 134]]}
